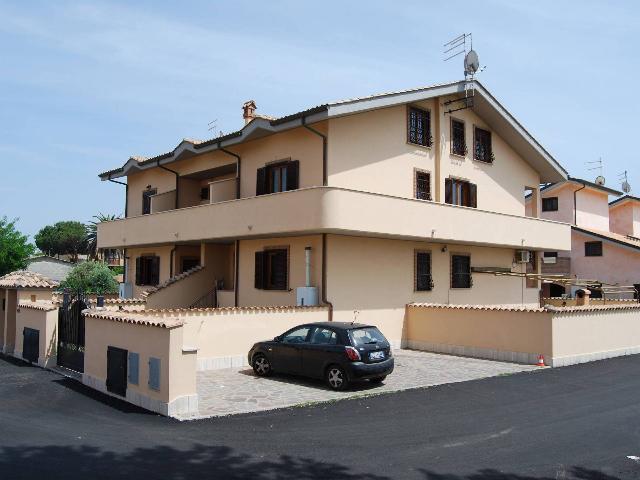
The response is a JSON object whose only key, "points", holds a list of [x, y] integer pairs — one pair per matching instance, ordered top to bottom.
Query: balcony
{"points": [[335, 210]]}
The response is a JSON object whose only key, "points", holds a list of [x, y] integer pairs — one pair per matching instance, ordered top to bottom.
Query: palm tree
{"points": [[92, 232]]}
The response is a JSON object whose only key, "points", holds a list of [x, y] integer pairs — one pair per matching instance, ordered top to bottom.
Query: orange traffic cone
{"points": [[540, 361]]}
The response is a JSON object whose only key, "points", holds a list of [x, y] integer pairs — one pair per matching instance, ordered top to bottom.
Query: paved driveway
{"points": [[238, 390]]}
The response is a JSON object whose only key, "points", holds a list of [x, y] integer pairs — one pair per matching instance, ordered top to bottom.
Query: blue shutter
{"points": [[134, 368], [154, 373]]}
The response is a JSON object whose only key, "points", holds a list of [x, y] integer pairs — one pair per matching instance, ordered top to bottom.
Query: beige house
{"points": [[362, 205]]}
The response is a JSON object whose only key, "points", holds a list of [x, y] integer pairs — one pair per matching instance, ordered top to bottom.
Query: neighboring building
{"points": [[391, 198], [603, 245], [51, 267]]}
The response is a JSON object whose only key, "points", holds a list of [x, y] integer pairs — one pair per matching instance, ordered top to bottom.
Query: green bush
{"points": [[117, 269], [91, 277]]}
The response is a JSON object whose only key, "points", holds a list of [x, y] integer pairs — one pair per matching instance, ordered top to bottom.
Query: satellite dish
{"points": [[471, 62], [599, 180], [626, 188]]}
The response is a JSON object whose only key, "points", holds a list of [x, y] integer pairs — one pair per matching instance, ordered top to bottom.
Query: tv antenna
{"points": [[463, 45], [212, 126], [598, 165], [626, 186]]}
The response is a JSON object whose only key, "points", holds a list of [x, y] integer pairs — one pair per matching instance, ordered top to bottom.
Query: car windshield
{"points": [[367, 336]]}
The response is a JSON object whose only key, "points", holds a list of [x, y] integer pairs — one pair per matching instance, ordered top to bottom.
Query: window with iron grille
{"points": [[419, 127], [458, 142], [482, 145], [423, 185], [460, 192], [550, 204], [592, 249], [532, 268], [272, 269], [461, 271], [424, 280]]}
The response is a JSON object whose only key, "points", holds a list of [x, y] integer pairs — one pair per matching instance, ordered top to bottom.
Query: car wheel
{"points": [[261, 366], [336, 378], [378, 379]]}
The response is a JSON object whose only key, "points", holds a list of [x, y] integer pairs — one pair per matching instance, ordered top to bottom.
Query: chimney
{"points": [[248, 111], [582, 297]]}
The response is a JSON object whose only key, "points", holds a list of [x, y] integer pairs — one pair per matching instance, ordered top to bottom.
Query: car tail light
{"points": [[352, 354]]}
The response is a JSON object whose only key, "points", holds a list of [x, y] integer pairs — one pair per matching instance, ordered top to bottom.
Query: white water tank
{"points": [[306, 296]]}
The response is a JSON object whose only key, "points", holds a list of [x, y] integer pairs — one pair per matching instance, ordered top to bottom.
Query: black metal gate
{"points": [[71, 331]]}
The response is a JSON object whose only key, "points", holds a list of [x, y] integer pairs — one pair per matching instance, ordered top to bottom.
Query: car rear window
{"points": [[366, 336]]}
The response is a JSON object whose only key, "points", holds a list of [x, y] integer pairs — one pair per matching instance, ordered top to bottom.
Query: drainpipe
{"points": [[324, 150], [238, 167], [177, 180], [126, 194], [575, 205], [236, 276], [324, 277]]}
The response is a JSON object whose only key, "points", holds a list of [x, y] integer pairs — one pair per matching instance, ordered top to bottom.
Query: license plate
{"points": [[376, 355]]}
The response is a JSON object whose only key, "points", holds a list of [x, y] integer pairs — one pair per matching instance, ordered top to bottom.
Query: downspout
{"points": [[324, 150], [238, 167], [177, 180], [126, 194], [575, 205], [171, 258], [236, 276], [324, 277]]}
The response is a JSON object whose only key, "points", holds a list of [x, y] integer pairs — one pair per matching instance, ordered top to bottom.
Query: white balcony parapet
{"points": [[336, 210]]}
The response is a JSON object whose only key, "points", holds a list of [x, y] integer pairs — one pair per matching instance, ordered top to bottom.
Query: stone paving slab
{"points": [[238, 390]]}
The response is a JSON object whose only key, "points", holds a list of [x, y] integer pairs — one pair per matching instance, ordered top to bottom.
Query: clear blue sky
{"points": [[84, 85]]}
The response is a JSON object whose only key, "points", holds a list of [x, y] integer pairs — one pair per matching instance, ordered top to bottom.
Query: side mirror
{"points": [[277, 339]]}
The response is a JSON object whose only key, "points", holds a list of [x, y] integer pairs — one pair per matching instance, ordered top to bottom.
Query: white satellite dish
{"points": [[471, 62], [599, 180], [626, 188]]}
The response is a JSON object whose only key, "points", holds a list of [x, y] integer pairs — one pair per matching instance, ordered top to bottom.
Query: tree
{"points": [[92, 232], [63, 238], [15, 248], [91, 277]]}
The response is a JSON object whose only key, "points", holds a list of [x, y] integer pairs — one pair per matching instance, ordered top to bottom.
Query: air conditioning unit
{"points": [[523, 256]]}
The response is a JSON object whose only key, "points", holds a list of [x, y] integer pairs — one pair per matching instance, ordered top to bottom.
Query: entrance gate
{"points": [[71, 331]]}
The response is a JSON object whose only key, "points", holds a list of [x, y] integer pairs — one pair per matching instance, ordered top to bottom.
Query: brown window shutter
{"points": [[293, 175], [261, 181], [448, 190], [474, 195], [155, 270], [259, 270], [279, 270], [138, 271]]}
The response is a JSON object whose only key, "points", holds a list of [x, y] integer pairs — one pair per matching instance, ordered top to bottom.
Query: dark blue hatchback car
{"points": [[338, 352]]}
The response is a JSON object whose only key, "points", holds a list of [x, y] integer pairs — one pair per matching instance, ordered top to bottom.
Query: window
{"points": [[419, 127], [458, 142], [482, 145], [278, 177], [423, 185], [460, 192], [204, 193], [146, 200], [550, 204], [592, 249], [550, 254], [187, 263], [422, 268], [272, 269], [148, 270], [461, 271], [636, 294], [298, 335], [366, 335], [324, 336]]}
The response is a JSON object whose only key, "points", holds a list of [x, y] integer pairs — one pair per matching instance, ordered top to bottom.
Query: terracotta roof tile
{"points": [[26, 279], [171, 281], [43, 305], [525, 308], [134, 318]]}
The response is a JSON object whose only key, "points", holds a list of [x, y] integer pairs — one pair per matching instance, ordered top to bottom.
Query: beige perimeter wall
{"points": [[46, 322]]}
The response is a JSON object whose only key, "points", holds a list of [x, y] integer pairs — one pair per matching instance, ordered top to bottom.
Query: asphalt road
{"points": [[576, 422]]}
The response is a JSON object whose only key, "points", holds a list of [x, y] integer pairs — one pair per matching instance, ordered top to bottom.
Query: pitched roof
{"points": [[485, 105], [580, 181], [624, 199], [623, 240], [26, 279], [134, 318]]}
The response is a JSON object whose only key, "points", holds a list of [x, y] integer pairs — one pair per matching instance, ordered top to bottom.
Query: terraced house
{"points": [[363, 205]]}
